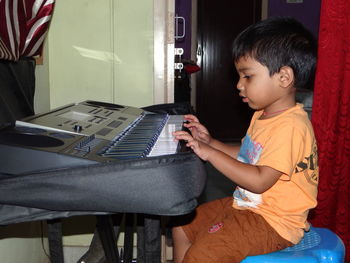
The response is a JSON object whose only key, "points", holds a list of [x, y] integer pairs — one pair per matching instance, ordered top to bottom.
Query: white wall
{"points": [[101, 50], [117, 51], [42, 85], [22, 243]]}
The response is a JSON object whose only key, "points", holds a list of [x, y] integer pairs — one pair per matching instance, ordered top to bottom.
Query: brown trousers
{"points": [[220, 233]]}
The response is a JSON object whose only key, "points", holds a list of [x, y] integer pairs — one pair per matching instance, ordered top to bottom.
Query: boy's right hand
{"points": [[199, 131], [203, 150]]}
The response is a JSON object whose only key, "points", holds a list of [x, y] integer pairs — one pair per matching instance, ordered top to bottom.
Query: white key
{"points": [[165, 143]]}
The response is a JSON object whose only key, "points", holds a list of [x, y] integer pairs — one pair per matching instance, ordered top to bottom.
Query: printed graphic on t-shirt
{"points": [[249, 152], [309, 166]]}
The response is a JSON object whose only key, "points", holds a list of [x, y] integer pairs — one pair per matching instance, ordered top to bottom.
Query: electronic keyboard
{"points": [[86, 133]]}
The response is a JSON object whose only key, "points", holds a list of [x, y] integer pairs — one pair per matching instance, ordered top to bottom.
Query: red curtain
{"points": [[331, 119]]}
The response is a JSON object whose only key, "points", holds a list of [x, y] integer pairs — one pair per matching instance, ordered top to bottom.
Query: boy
{"points": [[275, 168]]}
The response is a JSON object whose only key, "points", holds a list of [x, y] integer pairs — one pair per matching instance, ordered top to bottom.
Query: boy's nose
{"points": [[239, 86]]}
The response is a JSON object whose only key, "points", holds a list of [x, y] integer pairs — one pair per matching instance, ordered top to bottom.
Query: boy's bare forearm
{"points": [[230, 150], [254, 178]]}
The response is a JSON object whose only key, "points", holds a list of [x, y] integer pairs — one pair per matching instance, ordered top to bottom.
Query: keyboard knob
{"points": [[78, 128]]}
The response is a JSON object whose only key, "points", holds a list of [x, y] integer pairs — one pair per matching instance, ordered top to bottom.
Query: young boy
{"points": [[275, 168]]}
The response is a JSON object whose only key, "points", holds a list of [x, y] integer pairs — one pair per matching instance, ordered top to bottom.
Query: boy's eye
{"points": [[246, 77]]}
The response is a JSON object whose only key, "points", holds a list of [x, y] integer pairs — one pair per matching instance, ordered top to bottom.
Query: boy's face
{"points": [[255, 85]]}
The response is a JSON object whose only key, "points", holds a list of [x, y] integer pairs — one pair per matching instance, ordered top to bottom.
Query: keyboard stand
{"points": [[54, 233], [106, 233], [148, 244]]}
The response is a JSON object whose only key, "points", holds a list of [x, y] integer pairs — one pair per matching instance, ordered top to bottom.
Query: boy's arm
{"points": [[230, 150], [256, 179]]}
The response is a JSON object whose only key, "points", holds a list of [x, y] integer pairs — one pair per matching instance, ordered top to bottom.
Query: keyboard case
{"points": [[163, 185]]}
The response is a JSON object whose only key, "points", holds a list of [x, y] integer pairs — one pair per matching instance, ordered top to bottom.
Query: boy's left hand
{"points": [[200, 148]]}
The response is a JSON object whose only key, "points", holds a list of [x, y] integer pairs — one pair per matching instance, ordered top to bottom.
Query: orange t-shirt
{"points": [[285, 143]]}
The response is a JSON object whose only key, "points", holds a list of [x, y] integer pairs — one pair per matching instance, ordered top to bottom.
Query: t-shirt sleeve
{"points": [[283, 150]]}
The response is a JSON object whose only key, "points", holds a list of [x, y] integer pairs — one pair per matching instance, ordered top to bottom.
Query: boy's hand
{"points": [[198, 131], [200, 148]]}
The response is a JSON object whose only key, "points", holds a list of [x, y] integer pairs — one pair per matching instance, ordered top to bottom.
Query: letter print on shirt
{"points": [[250, 152], [309, 166]]}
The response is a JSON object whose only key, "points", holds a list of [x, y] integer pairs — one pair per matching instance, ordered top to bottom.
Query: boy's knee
{"points": [[179, 235], [181, 244]]}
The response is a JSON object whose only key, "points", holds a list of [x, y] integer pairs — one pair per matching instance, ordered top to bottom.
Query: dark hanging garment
{"points": [[23, 27], [17, 84]]}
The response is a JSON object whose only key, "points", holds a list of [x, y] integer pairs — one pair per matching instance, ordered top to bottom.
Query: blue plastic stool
{"points": [[319, 245]]}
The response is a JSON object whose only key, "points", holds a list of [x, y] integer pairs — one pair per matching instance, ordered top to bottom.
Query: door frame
{"points": [[164, 47]]}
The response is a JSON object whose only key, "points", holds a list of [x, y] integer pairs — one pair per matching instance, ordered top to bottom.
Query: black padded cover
{"points": [[163, 185]]}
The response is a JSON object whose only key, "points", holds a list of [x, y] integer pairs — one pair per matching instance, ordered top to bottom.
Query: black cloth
{"points": [[17, 84], [177, 108], [165, 185]]}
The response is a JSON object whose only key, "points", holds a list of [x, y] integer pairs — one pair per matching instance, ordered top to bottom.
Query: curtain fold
{"points": [[331, 119]]}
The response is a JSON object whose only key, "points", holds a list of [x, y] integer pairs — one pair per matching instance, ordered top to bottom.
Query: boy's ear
{"points": [[286, 76]]}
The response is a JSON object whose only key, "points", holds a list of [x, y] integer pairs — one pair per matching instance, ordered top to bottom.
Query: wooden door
{"points": [[218, 105]]}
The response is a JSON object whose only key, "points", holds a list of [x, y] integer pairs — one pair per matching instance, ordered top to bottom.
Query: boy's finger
{"points": [[191, 117], [193, 124], [178, 133]]}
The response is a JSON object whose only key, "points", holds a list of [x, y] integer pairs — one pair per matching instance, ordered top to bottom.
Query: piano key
{"points": [[165, 143]]}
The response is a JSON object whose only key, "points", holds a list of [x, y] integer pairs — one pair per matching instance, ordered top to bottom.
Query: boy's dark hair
{"points": [[277, 42]]}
